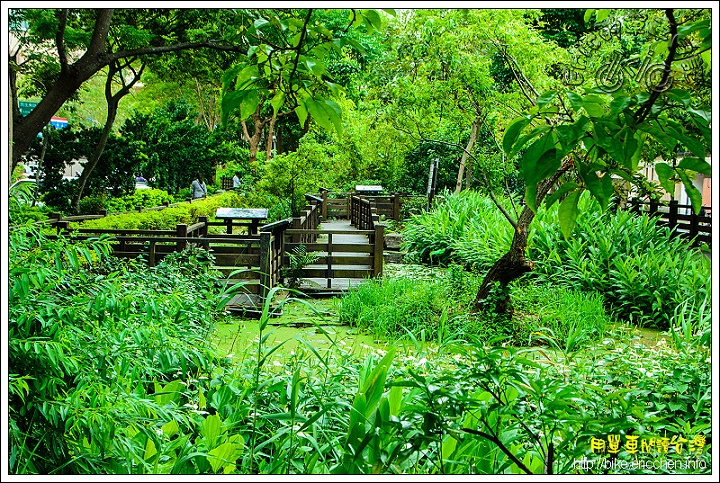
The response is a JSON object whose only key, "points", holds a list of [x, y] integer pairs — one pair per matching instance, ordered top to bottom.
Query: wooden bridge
{"points": [[349, 248]]}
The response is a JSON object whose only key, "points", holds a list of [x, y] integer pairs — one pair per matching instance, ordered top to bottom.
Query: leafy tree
{"points": [[84, 42], [284, 72], [573, 142], [175, 148]]}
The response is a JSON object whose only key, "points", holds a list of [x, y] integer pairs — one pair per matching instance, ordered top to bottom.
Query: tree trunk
{"points": [[69, 80], [113, 101], [269, 144], [468, 149], [97, 152], [514, 263], [507, 268]]}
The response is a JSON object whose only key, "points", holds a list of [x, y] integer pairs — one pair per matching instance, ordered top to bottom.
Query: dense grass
{"points": [[642, 271], [437, 308]]}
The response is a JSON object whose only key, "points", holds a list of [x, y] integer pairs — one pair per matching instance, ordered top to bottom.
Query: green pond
{"points": [[301, 325]]}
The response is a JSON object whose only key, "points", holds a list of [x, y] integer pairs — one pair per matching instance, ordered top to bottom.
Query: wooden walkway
{"points": [[337, 285]]}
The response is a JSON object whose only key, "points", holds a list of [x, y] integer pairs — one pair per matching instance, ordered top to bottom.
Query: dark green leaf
{"points": [[513, 132], [696, 164], [665, 172], [560, 192], [567, 213]]}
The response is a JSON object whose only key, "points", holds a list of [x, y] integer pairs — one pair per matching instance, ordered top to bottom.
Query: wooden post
{"points": [[324, 205], [396, 207], [653, 207], [672, 215], [55, 216], [693, 224], [204, 229], [181, 232], [378, 250], [151, 254], [329, 261], [265, 263]]}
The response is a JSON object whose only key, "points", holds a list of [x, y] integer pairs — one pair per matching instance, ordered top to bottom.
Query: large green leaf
{"points": [[246, 77], [545, 98], [230, 101], [277, 101], [249, 103], [326, 113], [674, 130], [513, 132], [659, 135], [520, 144], [540, 160], [696, 164], [665, 172], [600, 187], [560, 192], [694, 194], [567, 212], [226, 453]]}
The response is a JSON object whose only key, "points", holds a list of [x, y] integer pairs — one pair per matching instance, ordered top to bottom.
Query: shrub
{"points": [[92, 205], [167, 218], [466, 229], [643, 271], [90, 338]]}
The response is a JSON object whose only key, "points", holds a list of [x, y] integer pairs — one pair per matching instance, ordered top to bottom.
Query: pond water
{"points": [[300, 324]]}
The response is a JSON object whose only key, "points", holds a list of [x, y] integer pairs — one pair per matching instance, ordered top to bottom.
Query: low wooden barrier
{"points": [[339, 205], [681, 219], [255, 261]]}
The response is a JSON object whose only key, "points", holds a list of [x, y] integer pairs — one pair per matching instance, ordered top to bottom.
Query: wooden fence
{"points": [[339, 205], [681, 219], [254, 260]]}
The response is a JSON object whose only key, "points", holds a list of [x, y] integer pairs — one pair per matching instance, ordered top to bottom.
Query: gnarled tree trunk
{"points": [[514, 263]]}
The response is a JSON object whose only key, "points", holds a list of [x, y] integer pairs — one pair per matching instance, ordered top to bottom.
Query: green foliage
{"points": [[285, 66], [175, 148], [290, 176], [142, 198], [20, 205], [92, 205], [167, 218], [455, 228], [299, 258], [643, 271], [92, 342], [111, 371]]}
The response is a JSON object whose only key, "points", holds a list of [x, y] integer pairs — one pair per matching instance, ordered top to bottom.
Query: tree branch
{"points": [[60, 39], [645, 109], [503, 448]]}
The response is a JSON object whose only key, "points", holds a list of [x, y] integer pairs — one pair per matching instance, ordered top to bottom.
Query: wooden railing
{"points": [[339, 205], [681, 219], [254, 260]]}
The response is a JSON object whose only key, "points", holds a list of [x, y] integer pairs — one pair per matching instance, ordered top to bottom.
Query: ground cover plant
{"points": [[642, 271], [113, 371]]}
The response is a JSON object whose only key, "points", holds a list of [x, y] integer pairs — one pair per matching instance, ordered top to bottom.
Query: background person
{"points": [[236, 180], [199, 190]]}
